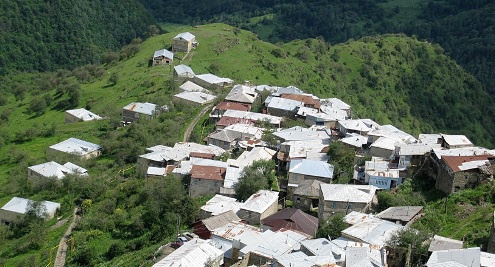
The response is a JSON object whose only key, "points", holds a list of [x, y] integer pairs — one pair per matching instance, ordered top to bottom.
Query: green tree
{"points": [[114, 78], [37, 105], [342, 157], [257, 176], [333, 227], [416, 239]]}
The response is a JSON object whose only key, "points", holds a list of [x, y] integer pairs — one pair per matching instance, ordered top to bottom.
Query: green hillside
{"points": [[390, 78]]}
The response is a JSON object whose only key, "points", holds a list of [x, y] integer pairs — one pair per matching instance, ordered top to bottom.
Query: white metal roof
{"points": [[185, 35], [164, 53], [183, 69], [213, 79], [192, 87], [288, 90], [241, 93], [197, 97], [335, 103], [284, 104], [143, 108], [305, 111], [83, 114], [329, 114], [253, 116], [355, 125], [248, 129], [392, 132], [302, 134], [429, 138], [355, 140], [456, 140], [386, 143], [76, 146], [301, 149], [416, 149], [463, 151], [248, 157], [376, 164], [312, 168], [53, 169], [156, 171], [392, 173], [232, 177], [348, 193], [260, 201], [219, 204], [21, 205], [372, 231], [444, 243], [272, 244], [323, 246], [194, 253], [469, 257], [299, 259], [487, 259]]}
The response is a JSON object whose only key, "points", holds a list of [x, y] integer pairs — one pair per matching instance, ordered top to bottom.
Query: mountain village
{"points": [[278, 227]]}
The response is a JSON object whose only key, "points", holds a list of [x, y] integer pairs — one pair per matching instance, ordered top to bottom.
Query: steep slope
{"points": [[47, 35]]}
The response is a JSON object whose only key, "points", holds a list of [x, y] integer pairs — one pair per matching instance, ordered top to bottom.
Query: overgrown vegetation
{"points": [[259, 175]]}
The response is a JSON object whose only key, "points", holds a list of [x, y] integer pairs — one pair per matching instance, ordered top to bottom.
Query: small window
{"points": [[334, 205]]}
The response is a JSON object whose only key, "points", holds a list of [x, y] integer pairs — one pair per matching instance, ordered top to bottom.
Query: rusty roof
{"points": [[307, 99], [233, 106], [226, 121], [201, 155], [456, 162], [208, 172], [294, 219]]}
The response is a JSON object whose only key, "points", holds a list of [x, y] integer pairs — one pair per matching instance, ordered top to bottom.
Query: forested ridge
{"points": [[463, 28], [48, 35]]}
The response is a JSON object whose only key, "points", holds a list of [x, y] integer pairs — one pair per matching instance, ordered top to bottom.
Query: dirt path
{"points": [[189, 129], [62, 246]]}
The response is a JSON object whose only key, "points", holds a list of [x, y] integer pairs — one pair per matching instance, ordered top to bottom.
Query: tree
{"points": [[114, 78], [37, 105], [342, 158], [257, 176], [333, 227], [416, 239]]}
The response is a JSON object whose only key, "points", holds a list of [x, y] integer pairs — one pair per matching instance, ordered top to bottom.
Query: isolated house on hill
{"points": [[184, 42], [162, 57], [212, 81], [136, 111], [80, 114], [75, 147], [55, 170], [15, 210]]}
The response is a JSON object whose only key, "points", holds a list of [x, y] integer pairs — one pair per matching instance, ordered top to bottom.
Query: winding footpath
{"points": [[189, 129], [62, 246]]}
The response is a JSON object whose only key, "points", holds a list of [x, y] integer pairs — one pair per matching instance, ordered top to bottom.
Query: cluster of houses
{"points": [[257, 231]]}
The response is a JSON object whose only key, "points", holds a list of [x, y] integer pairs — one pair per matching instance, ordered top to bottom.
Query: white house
{"points": [[80, 114], [77, 147], [15, 210]]}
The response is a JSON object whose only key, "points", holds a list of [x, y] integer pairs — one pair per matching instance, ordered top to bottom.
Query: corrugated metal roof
{"points": [[185, 35], [163, 53], [183, 69], [213, 79], [192, 87], [287, 90], [242, 94], [197, 97], [306, 99], [335, 103], [284, 104], [232, 105], [143, 108], [83, 114], [253, 116], [355, 125], [392, 132], [302, 134], [355, 140], [456, 140], [386, 143], [76, 146], [416, 149], [463, 151], [248, 157], [461, 163], [312, 168], [53, 169], [156, 171], [207, 172], [348, 193], [260, 201], [219, 204], [21, 205], [400, 213], [220, 220], [237, 231], [372, 231], [444, 243], [272, 244], [324, 247], [194, 253], [469, 257], [299, 259], [487, 259]]}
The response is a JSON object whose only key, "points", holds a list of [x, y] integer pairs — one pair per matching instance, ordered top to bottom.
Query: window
{"points": [[298, 200], [334, 205], [349, 206]]}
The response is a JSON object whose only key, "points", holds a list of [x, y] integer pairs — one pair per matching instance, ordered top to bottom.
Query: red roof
{"points": [[306, 99], [233, 106], [226, 121], [201, 155], [455, 161], [207, 172], [294, 219]]}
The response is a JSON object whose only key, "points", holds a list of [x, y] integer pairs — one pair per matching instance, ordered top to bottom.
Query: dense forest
{"points": [[463, 28], [48, 35]]}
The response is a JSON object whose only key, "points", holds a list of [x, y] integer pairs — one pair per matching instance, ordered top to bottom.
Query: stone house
{"points": [[184, 42], [162, 57], [183, 72], [220, 109], [136, 111], [75, 147], [305, 169], [458, 172], [206, 180], [306, 195], [344, 198], [259, 206], [15, 210]]}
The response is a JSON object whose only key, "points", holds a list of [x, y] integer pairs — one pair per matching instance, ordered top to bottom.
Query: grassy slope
{"points": [[241, 56]]}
